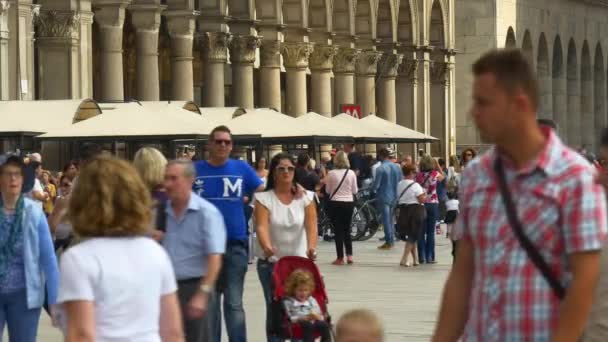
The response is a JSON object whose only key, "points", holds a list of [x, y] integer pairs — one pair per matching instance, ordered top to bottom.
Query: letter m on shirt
{"points": [[235, 189]]}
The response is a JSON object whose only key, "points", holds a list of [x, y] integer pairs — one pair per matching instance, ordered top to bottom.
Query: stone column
{"points": [[110, 19], [146, 21], [181, 25], [4, 37], [58, 55], [215, 55], [242, 57], [295, 58], [321, 63], [367, 66], [387, 73], [270, 74], [344, 75], [424, 94], [451, 99], [407, 101], [439, 106]]}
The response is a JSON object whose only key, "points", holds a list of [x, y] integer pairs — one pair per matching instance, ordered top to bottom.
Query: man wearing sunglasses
{"points": [[224, 182]]}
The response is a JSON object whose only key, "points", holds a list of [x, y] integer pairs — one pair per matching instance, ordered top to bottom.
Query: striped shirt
{"points": [[562, 210]]}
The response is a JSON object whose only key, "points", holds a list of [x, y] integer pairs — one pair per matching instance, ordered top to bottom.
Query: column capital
{"points": [[4, 6], [110, 14], [146, 17], [181, 23], [57, 24], [215, 46], [242, 48], [270, 53], [296, 54], [322, 57], [346, 60], [367, 63], [388, 64], [409, 69], [438, 72]]}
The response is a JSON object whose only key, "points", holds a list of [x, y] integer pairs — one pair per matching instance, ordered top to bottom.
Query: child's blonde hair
{"points": [[298, 278], [362, 318]]}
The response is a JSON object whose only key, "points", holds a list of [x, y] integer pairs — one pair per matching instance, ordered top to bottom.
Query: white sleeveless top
{"points": [[287, 231]]}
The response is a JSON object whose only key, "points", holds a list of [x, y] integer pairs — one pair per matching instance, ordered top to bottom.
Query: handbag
{"points": [[537, 259]]}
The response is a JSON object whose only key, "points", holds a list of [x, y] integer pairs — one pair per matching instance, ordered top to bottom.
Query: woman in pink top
{"points": [[341, 186]]}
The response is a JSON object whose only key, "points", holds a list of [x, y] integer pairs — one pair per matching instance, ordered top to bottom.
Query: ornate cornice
{"points": [[54, 24], [215, 46], [242, 48], [270, 51], [296, 54], [322, 57], [346, 60], [367, 63], [388, 64], [409, 69], [438, 72]]}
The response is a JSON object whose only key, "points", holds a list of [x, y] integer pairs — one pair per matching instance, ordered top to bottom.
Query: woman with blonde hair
{"points": [[150, 163], [341, 186], [99, 291]]}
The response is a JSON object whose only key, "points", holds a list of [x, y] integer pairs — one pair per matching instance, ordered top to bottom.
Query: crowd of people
{"points": [[164, 245]]}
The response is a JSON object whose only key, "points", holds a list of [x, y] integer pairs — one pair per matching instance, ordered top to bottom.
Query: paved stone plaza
{"points": [[406, 299]]}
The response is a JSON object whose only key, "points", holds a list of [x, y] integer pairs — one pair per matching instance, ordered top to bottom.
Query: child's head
{"points": [[453, 195], [300, 284], [359, 325]]}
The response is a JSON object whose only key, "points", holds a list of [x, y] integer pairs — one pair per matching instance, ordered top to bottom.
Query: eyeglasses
{"points": [[222, 141], [468, 154], [286, 169], [12, 174], [63, 185]]}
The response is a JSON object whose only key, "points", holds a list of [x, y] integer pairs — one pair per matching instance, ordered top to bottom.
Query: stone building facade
{"points": [[564, 39], [395, 58]]}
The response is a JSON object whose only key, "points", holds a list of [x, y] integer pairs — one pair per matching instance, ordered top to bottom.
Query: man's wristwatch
{"points": [[206, 289]]}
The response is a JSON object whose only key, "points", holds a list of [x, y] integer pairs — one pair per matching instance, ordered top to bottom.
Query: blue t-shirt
{"points": [[225, 186]]}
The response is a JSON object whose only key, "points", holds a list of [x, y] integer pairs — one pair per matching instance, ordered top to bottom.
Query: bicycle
{"points": [[366, 220]]}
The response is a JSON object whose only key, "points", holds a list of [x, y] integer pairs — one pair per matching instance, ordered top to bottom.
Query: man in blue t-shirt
{"points": [[224, 182]]}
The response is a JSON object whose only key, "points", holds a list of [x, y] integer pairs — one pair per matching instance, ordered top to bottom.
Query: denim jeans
{"points": [[387, 211], [426, 243], [265, 269], [230, 284], [22, 322]]}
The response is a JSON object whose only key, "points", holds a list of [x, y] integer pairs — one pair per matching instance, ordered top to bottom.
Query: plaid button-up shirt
{"points": [[562, 211]]}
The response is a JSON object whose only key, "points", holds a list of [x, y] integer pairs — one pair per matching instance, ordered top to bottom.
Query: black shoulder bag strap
{"points": [[339, 185], [403, 193], [537, 259]]}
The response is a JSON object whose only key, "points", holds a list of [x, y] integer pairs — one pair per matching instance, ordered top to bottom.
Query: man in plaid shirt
{"points": [[494, 291]]}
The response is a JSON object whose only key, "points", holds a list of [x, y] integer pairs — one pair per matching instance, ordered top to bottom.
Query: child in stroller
{"points": [[299, 307]]}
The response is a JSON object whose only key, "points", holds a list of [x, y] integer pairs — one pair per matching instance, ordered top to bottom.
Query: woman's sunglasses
{"points": [[286, 169]]}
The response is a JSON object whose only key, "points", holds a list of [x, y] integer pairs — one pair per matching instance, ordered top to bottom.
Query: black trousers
{"points": [[340, 214], [309, 329], [196, 330]]}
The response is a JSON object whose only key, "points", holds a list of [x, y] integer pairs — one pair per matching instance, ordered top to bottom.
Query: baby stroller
{"points": [[281, 325]]}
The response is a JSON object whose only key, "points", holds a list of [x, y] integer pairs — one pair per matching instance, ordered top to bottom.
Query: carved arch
{"points": [[407, 22]]}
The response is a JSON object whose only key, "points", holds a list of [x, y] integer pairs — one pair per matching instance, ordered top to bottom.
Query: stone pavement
{"points": [[406, 299]]}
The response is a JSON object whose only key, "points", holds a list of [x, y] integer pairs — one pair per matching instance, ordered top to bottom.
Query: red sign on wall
{"points": [[351, 109]]}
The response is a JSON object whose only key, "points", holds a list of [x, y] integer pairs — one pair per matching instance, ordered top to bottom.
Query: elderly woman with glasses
{"points": [[286, 224], [28, 267]]}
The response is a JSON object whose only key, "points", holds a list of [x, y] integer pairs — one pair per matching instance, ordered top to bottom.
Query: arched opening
{"points": [[341, 18], [317, 19], [364, 23], [385, 24], [405, 24], [510, 42], [526, 47], [164, 61], [438, 73], [544, 79], [559, 88], [573, 90], [406, 91], [599, 94], [587, 130]]}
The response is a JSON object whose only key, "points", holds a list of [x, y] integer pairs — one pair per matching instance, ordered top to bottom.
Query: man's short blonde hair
{"points": [[150, 163], [109, 200], [362, 318]]}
